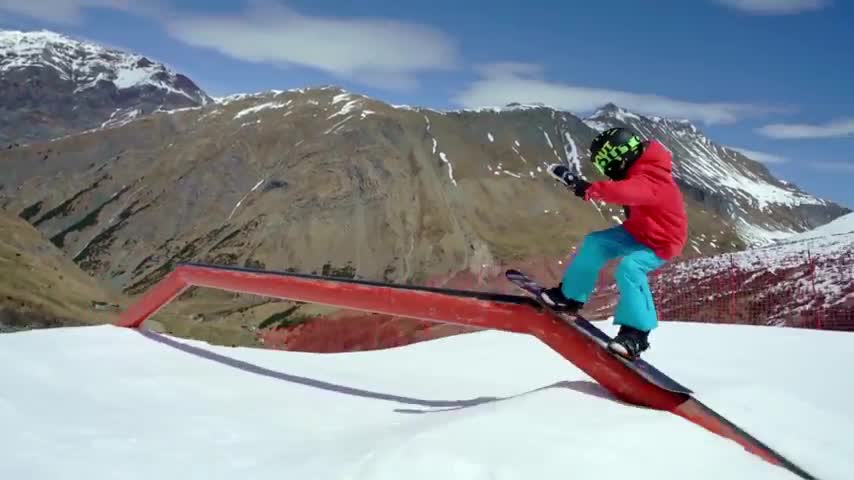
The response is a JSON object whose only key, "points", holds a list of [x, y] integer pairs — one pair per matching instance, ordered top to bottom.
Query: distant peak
{"points": [[87, 65], [611, 107]]}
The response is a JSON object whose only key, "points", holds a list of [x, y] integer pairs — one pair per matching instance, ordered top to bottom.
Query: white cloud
{"points": [[775, 7], [65, 12], [375, 51], [504, 83], [838, 128], [762, 157], [827, 166]]}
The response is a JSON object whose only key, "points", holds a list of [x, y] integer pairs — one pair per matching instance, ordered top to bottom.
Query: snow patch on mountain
{"points": [[258, 108], [121, 117], [571, 151], [450, 167]]}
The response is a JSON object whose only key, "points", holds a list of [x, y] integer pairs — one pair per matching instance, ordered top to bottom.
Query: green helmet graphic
{"points": [[614, 150]]}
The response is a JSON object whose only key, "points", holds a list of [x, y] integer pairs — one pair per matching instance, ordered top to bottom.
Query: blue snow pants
{"points": [[635, 307]]}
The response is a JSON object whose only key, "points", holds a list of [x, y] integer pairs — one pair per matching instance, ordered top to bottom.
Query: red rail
{"points": [[498, 312]]}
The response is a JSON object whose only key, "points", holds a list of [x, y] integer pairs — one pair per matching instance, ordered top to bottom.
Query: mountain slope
{"points": [[52, 85], [318, 181], [763, 207], [40, 286], [484, 405]]}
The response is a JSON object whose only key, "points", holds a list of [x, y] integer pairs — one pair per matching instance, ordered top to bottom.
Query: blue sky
{"points": [[770, 76]]}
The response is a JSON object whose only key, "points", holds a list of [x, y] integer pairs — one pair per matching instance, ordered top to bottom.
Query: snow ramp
{"points": [[647, 387]]}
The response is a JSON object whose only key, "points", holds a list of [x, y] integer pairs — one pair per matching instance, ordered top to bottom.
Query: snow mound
{"points": [[475, 406]]}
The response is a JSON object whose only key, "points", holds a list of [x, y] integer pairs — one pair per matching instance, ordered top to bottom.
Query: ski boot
{"points": [[554, 298], [629, 342]]}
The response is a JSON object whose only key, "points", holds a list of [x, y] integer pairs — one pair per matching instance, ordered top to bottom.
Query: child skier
{"points": [[654, 231]]}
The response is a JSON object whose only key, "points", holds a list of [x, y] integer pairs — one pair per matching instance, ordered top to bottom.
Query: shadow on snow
{"points": [[580, 386]]}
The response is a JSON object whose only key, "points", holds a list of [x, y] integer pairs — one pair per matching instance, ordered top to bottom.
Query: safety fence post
{"points": [[732, 289], [815, 299]]}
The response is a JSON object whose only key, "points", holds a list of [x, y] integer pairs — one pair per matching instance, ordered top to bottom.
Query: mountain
{"points": [[52, 85], [318, 181], [330, 182], [762, 207], [41, 286]]}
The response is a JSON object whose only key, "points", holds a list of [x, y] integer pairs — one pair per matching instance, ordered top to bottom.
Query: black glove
{"points": [[574, 183], [580, 188]]}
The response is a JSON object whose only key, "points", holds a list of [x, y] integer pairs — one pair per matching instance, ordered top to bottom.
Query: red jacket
{"points": [[657, 216]]}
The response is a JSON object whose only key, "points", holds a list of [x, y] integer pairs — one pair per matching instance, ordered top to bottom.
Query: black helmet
{"points": [[614, 150]]}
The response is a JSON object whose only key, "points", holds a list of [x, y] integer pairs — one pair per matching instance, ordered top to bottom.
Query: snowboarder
{"points": [[655, 231]]}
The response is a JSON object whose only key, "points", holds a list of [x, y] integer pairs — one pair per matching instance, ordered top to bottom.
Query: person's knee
{"points": [[593, 242], [629, 269]]}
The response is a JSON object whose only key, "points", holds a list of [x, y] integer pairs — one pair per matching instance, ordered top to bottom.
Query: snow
{"points": [[127, 78], [342, 97], [233, 98], [258, 108], [347, 108], [508, 108], [180, 110], [120, 118], [338, 125], [597, 125], [548, 140], [571, 151], [522, 157], [450, 167], [260, 182], [842, 225], [757, 235], [825, 254], [475, 406]]}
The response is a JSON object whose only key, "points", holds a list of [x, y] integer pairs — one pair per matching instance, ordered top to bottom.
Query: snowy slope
{"points": [[86, 64], [841, 226], [793, 282], [104, 402]]}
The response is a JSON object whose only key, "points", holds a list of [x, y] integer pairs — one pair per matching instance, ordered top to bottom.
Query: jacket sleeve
{"points": [[637, 190]]}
